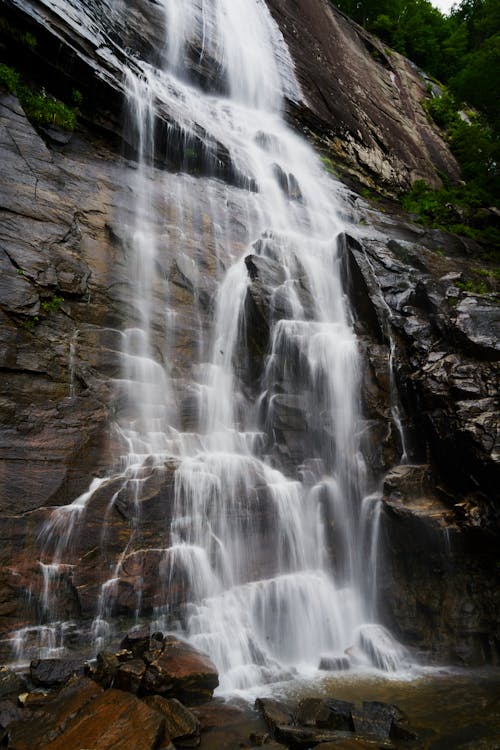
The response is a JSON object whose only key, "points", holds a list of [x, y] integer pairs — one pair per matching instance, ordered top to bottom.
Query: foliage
{"points": [[11, 31], [462, 49], [9, 78], [40, 108], [455, 209], [53, 304]]}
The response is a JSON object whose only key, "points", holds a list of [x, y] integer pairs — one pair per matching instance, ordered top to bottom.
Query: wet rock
{"points": [[478, 322], [137, 641], [335, 663], [105, 668], [53, 672], [182, 672], [129, 676], [11, 683], [9, 712], [274, 712], [214, 714], [325, 714], [113, 721], [41, 725], [181, 725], [304, 737], [353, 743]]}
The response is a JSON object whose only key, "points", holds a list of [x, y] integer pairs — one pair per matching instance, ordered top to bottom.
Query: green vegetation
{"points": [[25, 38], [463, 51], [40, 108], [53, 304]]}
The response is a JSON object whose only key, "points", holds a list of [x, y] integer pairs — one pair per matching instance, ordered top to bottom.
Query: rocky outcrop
{"points": [[362, 100], [444, 343], [331, 723]]}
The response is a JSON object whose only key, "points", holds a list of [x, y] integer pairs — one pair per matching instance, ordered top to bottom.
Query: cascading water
{"points": [[276, 548]]}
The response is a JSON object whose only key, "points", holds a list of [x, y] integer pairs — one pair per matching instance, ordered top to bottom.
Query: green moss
{"points": [[40, 108], [328, 164]]}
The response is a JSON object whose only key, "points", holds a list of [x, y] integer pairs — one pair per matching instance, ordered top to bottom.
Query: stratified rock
{"points": [[53, 672], [181, 672], [113, 721], [44, 723], [181, 725]]}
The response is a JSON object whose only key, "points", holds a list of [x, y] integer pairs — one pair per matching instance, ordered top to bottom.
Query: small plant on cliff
{"points": [[40, 108], [53, 304]]}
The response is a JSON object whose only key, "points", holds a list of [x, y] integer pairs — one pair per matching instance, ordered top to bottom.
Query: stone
{"points": [[137, 641], [335, 663], [105, 668], [54, 672], [182, 672], [129, 676], [11, 683], [9, 712], [274, 712], [325, 714], [215, 715], [113, 721], [42, 724], [181, 725], [306, 737]]}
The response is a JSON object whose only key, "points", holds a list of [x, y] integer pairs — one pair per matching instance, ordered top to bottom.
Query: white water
{"points": [[279, 563]]}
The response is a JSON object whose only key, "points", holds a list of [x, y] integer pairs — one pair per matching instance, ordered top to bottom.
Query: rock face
{"points": [[363, 100], [65, 292], [446, 368]]}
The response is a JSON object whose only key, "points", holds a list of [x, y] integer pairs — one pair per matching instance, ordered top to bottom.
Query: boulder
{"points": [[181, 671], [54, 672], [129, 676], [11, 683], [9, 712], [275, 712], [325, 714], [113, 721], [41, 724], [181, 725]]}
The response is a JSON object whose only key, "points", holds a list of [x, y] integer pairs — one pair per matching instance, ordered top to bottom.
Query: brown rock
{"points": [[183, 672], [129, 676], [274, 712], [213, 714], [114, 720], [47, 721], [181, 725]]}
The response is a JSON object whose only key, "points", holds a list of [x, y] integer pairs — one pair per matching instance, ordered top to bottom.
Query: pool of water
{"points": [[448, 709]]}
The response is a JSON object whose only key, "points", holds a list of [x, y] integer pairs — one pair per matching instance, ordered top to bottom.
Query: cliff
{"points": [[65, 292]]}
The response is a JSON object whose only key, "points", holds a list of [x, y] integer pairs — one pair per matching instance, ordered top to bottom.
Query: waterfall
{"points": [[275, 544]]}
